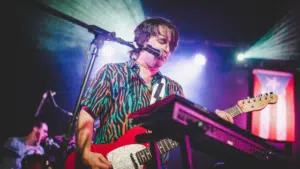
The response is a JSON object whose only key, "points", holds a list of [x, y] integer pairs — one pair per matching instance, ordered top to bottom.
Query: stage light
{"points": [[281, 42], [107, 50], [241, 57], [199, 59]]}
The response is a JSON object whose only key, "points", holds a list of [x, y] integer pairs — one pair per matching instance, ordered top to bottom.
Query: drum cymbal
{"points": [[9, 153]]}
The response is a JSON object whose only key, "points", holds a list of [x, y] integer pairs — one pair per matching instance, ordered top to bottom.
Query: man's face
{"points": [[160, 41], [42, 132]]}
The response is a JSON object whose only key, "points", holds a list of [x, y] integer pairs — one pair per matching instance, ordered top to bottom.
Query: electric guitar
{"points": [[125, 153]]}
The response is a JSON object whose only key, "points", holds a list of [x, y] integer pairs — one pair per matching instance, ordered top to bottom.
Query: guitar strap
{"points": [[158, 91]]}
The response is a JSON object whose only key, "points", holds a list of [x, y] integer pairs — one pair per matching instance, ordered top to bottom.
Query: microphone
{"points": [[159, 54], [49, 141]]}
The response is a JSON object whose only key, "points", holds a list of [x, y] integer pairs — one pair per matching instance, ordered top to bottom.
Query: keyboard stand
{"points": [[186, 153]]}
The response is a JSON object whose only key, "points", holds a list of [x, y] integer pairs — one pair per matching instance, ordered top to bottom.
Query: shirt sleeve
{"points": [[174, 88], [177, 89], [180, 91], [97, 97], [8, 142], [12, 143]]}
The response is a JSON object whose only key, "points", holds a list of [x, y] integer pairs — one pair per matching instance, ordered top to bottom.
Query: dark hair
{"points": [[150, 27], [36, 122], [30, 124]]}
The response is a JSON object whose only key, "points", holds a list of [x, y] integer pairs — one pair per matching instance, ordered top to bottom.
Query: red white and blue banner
{"points": [[276, 121]]}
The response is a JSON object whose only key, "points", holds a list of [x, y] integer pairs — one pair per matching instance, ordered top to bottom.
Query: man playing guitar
{"points": [[123, 88]]}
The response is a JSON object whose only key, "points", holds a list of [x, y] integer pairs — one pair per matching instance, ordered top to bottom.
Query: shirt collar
{"points": [[133, 65]]}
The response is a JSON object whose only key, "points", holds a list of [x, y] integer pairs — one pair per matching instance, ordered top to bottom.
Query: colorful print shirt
{"points": [[115, 92]]}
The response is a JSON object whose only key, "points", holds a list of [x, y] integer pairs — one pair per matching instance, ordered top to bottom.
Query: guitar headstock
{"points": [[258, 102]]}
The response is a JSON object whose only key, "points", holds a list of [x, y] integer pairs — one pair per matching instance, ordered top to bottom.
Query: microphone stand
{"points": [[100, 35], [45, 95]]}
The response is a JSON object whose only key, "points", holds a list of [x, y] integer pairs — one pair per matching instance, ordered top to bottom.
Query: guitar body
{"points": [[119, 152]]}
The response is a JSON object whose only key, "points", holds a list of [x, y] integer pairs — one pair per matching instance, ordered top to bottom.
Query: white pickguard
{"points": [[120, 157]]}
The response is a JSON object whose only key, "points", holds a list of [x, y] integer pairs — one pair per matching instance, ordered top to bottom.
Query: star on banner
{"points": [[272, 83]]}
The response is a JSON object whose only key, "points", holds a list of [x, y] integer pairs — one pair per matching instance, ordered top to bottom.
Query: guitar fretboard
{"points": [[233, 111], [164, 146]]}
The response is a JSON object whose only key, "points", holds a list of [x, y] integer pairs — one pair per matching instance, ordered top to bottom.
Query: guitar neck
{"points": [[234, 111], [164, 146]]}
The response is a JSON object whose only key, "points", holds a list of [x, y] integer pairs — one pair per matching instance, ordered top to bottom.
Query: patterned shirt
{"points": [[115, 92]]}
